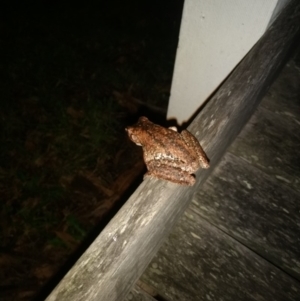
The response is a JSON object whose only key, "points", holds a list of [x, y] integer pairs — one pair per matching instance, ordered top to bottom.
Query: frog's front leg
{"points": [[169, 173]]}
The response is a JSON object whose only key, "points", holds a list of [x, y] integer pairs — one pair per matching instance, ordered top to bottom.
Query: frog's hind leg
{"points": [[192, 142], [169, 173]]}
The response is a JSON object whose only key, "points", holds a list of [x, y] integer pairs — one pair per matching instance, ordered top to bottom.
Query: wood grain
{"points": [[112, 264]]}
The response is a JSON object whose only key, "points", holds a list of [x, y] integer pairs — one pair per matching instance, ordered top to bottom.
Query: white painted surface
{"points": [[214, 36]]}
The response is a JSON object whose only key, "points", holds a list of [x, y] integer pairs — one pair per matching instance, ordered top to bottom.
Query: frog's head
{"points": [[138, 132], [133, 135]]}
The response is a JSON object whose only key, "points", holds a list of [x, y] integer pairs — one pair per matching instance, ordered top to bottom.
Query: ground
{"points": [[72, 78]]}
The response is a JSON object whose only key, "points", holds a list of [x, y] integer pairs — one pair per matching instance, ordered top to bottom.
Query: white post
{"points": [[214, 37]]}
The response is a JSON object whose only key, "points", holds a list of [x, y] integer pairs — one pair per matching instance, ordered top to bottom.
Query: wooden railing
{"points": [[112, 264]]}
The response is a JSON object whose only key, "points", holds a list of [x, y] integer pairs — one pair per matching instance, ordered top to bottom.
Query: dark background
{"points": [[73, 75]]}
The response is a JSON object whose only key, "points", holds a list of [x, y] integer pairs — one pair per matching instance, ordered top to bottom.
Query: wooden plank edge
{"points": [[112, 264]]}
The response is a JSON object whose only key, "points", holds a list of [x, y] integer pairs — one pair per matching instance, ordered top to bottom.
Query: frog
{"points": [[168, 154]]}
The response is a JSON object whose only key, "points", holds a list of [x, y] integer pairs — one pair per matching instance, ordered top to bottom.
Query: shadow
{"points": [[54, 281]]}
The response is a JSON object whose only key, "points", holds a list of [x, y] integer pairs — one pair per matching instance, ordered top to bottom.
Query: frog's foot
{"points": [[169, 173]]}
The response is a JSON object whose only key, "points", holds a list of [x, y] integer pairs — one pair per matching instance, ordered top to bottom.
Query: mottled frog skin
{"points": [[168, 155]]}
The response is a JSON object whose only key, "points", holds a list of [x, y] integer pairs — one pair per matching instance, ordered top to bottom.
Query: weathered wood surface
{"points": [[270, 140], [254, 194], [255, 209], [247, 211], [116, 259], [200, 262], [138, 294]]}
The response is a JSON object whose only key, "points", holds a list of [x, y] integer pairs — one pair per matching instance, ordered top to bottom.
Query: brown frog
{"points": [[168, 155]]}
